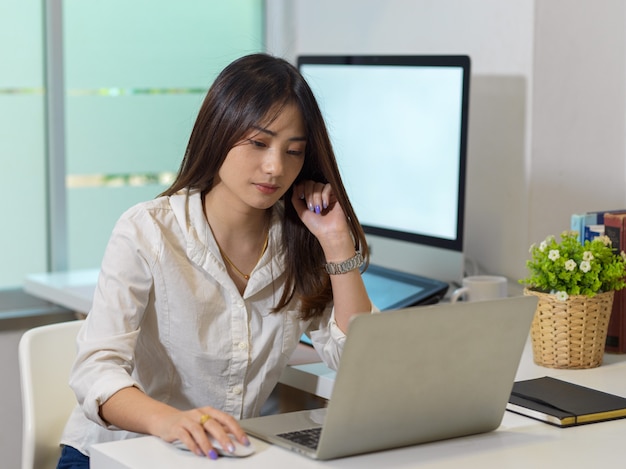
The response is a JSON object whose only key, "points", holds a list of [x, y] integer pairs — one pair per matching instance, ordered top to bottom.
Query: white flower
{"points": [[605, 240], [542, 246], [554, 254], [587, 256], [570, 265], [585, 266], [562, 296]]}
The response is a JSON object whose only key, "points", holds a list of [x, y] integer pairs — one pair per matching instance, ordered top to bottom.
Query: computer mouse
{"points": [[240, 450]]}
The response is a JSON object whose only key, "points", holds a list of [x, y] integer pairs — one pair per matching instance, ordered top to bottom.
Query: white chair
{"points": [[46, 354]]}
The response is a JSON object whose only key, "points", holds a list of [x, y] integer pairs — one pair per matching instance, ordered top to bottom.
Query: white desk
{"points": [[73, 289], [519, 442]]}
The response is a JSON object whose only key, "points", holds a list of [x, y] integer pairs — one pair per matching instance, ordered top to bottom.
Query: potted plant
{"points": [[575, 283]]}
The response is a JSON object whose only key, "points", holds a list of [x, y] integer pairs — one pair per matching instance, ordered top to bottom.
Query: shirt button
{"points": [[242, 345], [237, 390]]}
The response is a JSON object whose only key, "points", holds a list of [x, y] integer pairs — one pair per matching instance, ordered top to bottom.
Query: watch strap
{"points": [[337, 268]]}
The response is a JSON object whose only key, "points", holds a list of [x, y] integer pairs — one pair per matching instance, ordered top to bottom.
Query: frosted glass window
{"points": [[135, 76], [23, 237]]}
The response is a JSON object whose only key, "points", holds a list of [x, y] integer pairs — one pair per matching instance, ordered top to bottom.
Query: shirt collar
{"points": [[202, 249]]}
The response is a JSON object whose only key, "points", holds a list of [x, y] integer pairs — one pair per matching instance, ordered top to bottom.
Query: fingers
{"points": [[316, 196], [207, 424], [221, 425], [211, 426], [194, 434]]}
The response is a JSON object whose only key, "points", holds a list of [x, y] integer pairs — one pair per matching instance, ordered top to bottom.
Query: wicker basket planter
{"points": [[572, 333]]}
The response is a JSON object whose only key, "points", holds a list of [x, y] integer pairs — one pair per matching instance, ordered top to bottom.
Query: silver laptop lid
{"points": [[421, 374], [425, 374]]}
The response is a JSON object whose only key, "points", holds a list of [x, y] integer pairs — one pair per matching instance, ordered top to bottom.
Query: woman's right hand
{"points": [[130, 409], [193, 427]]}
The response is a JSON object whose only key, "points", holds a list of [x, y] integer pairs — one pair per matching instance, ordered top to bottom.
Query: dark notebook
{"points": [[564, 404]]}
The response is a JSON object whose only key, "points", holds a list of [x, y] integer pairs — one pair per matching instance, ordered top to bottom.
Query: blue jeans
{"points": [[72, 459]]}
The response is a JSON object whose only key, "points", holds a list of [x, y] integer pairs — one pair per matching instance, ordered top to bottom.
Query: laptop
{"points": [[411, 376]]}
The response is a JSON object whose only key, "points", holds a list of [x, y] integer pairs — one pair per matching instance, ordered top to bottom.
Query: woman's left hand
{"points": [[319, 210], [322, 214]]}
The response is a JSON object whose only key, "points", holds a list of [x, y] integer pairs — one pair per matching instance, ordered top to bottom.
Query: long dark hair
{"points": [[250, 92]]}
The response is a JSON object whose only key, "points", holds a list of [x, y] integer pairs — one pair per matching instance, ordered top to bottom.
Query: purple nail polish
{"points": [[325, 205], [318, 210], [246, 441], [213, 454]]}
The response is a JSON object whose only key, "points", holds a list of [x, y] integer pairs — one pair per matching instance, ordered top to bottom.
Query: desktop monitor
{"points": [[398, 125]]}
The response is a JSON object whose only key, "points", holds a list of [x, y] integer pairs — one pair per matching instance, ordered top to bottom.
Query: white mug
{"points": [[480, 288]]}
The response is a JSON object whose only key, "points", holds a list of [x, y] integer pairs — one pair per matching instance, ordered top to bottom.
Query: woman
{"points": [[205, 291]]}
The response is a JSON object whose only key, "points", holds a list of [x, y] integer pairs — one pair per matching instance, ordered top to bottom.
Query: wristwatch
{"points": [[346, 266]]}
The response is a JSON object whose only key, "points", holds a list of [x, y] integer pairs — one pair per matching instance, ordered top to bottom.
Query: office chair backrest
{"points": [[46, 354]]}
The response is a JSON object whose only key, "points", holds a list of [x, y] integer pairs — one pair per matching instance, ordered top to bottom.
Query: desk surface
{"points": [[73, 289], [519, 442], [515, 445]]}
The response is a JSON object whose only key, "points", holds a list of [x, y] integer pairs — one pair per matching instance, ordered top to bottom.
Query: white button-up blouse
{"points": [[167, 318]]}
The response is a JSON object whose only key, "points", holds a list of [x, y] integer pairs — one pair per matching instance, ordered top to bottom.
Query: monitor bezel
{"points": [[457, 61]]}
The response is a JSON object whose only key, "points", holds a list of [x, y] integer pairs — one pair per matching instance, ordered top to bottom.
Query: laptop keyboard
{"points": [[309, 438]]}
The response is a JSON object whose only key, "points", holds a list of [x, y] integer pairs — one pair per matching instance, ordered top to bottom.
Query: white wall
{"points": [[548, 85], [579, 125]]}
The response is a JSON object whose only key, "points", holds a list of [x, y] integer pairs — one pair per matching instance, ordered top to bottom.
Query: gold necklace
{"points": [[227, 259]]}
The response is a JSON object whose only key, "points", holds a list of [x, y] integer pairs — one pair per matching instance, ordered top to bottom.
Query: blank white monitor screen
{"points": [[398, 125]]}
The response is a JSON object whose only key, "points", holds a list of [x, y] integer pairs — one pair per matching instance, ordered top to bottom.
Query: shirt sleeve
{"points": [[329, 339], [106, 342]]}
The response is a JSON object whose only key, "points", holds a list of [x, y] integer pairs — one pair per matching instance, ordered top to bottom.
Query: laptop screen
{"points": [[391, 289]]}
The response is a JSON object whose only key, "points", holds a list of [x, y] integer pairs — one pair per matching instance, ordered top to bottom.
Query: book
{"points": [[579, 222], [589, 225], [615, 229], [593, 231], [564, 404]]}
